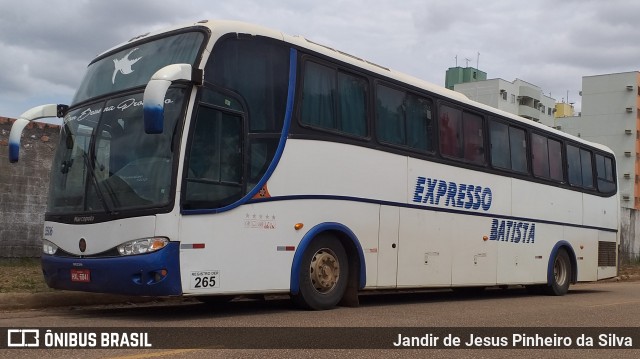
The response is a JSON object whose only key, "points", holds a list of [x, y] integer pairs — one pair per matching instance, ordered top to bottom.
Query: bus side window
{"points": [[318, 96], [334, 100], [352, 104], [419, 117], [404, 119], [450, 125], [461, 135], [499, 137], [473, 138], [518, 145], [508, 147], [539, 155], [580, 167], [587, 168], [604, 168], [556, 171], [214, 173]]}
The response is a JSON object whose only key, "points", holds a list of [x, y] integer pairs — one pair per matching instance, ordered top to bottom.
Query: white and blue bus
{"points": [[222, 159]]}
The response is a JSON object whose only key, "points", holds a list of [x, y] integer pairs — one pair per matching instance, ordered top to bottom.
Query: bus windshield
{"points": [[134, 65], [105, 162]]}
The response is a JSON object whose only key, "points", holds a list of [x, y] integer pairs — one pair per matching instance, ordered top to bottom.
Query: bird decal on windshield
{"points": [[124, 65]]}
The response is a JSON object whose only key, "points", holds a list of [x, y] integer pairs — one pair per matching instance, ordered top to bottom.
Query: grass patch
{"points": [[21, 275]]}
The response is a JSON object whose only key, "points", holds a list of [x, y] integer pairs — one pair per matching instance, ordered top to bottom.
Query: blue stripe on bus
{"points": [[291, 93], [425, 208], [306, 240]]}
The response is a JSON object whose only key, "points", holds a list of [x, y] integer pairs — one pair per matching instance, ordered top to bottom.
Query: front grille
{"points": [[606, 254]]}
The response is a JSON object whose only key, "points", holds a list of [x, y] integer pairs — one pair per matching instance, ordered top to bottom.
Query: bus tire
{"points": [[323, 274], [561, 278]]}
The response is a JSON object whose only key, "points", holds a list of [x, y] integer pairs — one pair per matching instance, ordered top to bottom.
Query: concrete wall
{"points": [[24, 187], [629, 235]]}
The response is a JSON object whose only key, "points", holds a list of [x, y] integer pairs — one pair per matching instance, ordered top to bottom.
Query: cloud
{"points": [[46, 45]]}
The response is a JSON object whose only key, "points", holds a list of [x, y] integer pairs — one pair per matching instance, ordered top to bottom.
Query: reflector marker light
{"points": [[192, 246], [286, 248]]}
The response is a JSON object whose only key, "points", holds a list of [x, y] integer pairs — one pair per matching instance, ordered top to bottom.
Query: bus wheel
{"points": [[323, 274], [561, 278]]}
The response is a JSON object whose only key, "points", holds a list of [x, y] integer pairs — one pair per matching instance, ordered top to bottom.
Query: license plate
{"points": [[81, 275]]}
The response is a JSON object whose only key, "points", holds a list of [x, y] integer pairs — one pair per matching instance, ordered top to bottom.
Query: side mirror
{"points": [[156, 90], [36, 113]]}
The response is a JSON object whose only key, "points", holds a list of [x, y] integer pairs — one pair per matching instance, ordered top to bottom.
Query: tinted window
{"points": [[258, 70], [318, 91], [334, 100], [352, 104], [390, 115], [403, 118], [450, 125], [461, 135], [473, 138], [518, 145], [508, 147], [500, 153], [539, 156], [546, 157], [573, 165], [580, 167], [587, 168], [604, 168], [556, 171], [214, 172]]}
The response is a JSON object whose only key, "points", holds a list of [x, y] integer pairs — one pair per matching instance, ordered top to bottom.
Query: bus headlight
{"points": [[141, 246], [48, 247]]}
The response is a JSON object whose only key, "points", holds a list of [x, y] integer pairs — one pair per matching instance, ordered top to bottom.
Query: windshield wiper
{"points": [[88, 165]]}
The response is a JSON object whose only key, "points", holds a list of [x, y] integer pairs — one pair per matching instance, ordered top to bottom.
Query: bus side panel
{"points": [[320, 168], [542, 202], [600, 212], [449, 232], [585, 245], [248, 248], [424, 255], [524, 257], [474, 260], [387, 268]]}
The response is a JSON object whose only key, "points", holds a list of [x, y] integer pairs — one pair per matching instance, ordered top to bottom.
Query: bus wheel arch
{"points": [[327, 242], [562, 269]]}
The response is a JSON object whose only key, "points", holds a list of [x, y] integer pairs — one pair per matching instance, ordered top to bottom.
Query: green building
{"points": [[459, 75]]}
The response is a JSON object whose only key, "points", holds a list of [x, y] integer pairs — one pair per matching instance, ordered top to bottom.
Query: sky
{"points": [[45, 45]]}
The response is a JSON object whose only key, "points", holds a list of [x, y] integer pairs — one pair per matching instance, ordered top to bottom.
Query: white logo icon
{"points": [[124, 65], [20, 338]]}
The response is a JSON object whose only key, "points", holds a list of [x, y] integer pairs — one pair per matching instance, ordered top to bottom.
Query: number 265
{"points": [[204, 282]]}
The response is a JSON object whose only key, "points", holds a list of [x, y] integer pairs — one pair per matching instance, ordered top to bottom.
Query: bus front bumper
{"points": [[151, 274]]}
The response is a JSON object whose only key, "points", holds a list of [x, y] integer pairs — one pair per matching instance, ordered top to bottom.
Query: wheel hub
{"points": [[324, 271]]}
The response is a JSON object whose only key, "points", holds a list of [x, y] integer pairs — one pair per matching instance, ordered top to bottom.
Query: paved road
{"points": [[600, 305]]}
